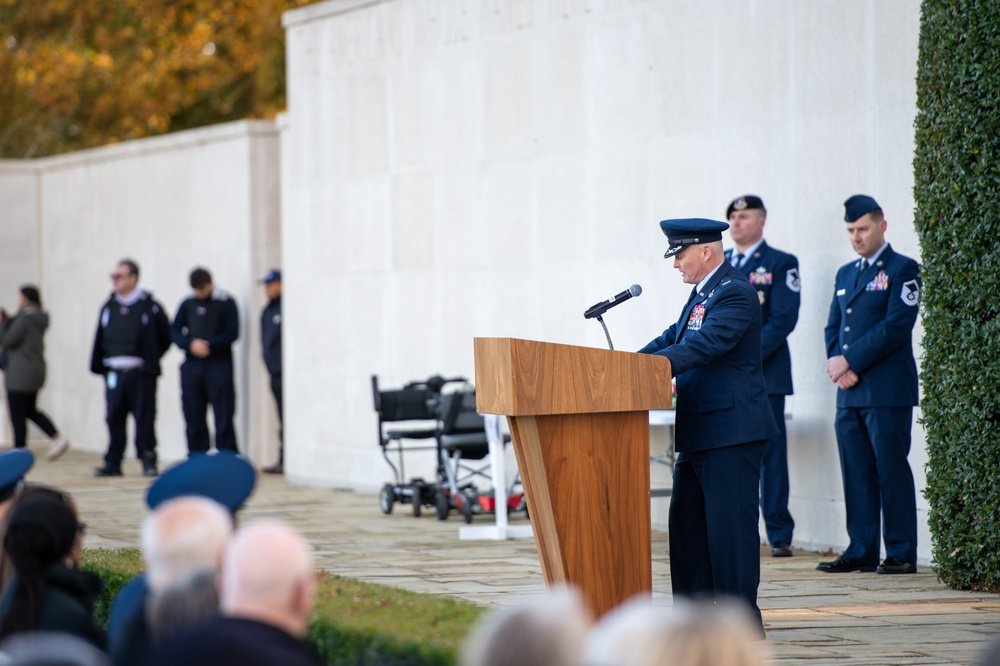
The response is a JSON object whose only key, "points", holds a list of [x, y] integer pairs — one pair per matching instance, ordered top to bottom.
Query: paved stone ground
{"points": [[812, 618]]}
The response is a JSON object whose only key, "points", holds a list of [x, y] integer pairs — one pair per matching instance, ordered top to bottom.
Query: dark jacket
{"points": [[774, 275], [871, 324], [225, 330], [154, 335], [270, 336], [23, 338], [715, 354], [68, 604], [225, 641]]}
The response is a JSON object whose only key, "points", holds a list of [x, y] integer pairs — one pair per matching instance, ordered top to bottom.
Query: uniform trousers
{"points": [[207, 381], [276, 391], [131, 392], [23, 409], [874, 443], [774, 480], [713, 524]]}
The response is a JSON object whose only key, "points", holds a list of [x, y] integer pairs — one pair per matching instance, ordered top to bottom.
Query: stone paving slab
{"points": [[812, 618]]}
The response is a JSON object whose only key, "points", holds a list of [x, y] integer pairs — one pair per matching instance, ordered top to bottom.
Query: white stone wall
{"points": [[461, 168], [206, 197]]}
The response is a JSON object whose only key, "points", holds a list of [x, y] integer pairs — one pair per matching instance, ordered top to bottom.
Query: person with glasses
{"points": [[133, 334]]}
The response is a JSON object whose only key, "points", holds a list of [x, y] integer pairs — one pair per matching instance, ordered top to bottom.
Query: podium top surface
{"points": [[527, 377]]}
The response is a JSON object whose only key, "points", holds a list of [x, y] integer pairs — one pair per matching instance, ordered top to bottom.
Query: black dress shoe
{"points": [[149, 469], [274, 469], [107, 470], [781, 549], [845, 564], [894, 565]]}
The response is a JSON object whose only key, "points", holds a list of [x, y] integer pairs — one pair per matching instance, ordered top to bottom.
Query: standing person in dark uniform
{"points": [[775, 276], [206, 326], [133, 334], [270, 338], [869, 348], [723, 420]]}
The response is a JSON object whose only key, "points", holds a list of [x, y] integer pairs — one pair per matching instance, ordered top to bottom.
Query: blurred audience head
{"points": [[42, 530], [182, 544], [267, 577], [545, 631], [692, 633]]}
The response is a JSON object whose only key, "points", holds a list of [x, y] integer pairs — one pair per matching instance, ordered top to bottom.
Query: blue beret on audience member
{"points": [[745, 202], [858, 206], [691, 231], [14, 464], [225, 477]]}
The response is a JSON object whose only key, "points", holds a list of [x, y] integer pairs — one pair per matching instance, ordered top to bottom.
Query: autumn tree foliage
{"points": [[81, 73]]}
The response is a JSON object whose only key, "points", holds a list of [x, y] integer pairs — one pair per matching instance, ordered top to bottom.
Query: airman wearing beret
{"points": [[775, 277], [869, 347]]}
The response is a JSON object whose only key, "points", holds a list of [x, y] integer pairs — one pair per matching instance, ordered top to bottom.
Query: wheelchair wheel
{"points": [[386, 498], [416, 503], [441, 506], [467, 510]]}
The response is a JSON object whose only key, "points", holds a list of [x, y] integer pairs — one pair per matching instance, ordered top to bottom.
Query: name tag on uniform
{"points": [[841, 292], [696, 318]]}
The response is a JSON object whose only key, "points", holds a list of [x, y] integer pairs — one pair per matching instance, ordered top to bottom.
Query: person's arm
{"points": [[784, 307], [230, 326], [723, 326], [896, 328], [161, 329], [177, 330], [832, 330], [12, 333], [661, 342], [97, 353]]}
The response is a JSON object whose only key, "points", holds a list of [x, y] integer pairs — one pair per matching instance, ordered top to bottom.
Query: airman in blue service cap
{"points": [[746, 202], [858, 206], [690, 231], [273, 275], [14, 464], [225, 477]]}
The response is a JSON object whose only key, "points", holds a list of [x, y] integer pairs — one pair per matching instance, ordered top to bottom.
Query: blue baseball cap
{"points": [[858, 206], [690, 231], [273, 275], [14, 464], [225, 477]]}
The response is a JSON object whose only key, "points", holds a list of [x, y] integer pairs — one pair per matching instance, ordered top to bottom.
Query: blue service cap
{"points": [[745, 202], [858, 206], [690, 231], [273, 275], [14, 464], [225, 477]]}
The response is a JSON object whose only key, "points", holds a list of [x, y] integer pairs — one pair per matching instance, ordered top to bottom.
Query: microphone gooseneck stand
{"points": [[606, 334]]}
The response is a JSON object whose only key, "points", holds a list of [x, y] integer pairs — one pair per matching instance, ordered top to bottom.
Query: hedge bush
{"points": [[957, 216], [354, 623]]}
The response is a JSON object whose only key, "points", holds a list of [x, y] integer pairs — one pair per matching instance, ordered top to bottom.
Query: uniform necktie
{"points": [[738, 259], [861, 271]]}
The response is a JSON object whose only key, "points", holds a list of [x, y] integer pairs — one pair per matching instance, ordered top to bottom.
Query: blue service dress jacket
{"points": [[774, 275], [871, 323], [715, 354]]}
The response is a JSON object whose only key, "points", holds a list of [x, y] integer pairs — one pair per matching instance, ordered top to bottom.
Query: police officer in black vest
{"points": [[206, 326], [133, 334], [270, 339]]}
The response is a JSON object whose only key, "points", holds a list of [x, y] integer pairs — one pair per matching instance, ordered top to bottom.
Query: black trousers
{"points": [[207, 381], [276, 390], [133, 393], [22, 409]]}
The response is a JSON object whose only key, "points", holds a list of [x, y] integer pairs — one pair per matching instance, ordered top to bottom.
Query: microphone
{"points": [[598, 309]]}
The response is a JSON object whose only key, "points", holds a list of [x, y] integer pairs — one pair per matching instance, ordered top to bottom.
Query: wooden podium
{"points": [[579, 423]]}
